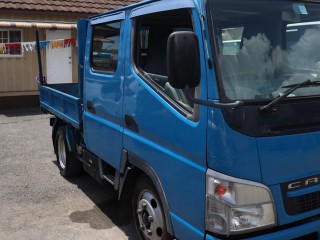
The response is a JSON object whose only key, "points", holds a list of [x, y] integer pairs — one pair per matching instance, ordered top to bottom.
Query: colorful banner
{"points": [[28, 47], [17, 48], [3, 49]]}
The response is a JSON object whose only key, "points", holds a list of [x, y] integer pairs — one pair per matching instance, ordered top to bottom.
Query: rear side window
{"points": [[105, 47], [150, 54]]}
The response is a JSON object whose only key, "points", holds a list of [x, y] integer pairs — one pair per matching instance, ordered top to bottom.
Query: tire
{"points": [[68, 164], [147, 209]]}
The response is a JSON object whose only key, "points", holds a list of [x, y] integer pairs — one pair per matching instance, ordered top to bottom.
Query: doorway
{"points": [[59, 60]]}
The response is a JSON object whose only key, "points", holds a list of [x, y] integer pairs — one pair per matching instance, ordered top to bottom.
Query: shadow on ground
{"points": [[21, 112], [107, 210]]}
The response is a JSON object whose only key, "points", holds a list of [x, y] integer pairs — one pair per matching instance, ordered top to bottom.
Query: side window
{"points": [[10, 41], [105, 47], [150, 54]]}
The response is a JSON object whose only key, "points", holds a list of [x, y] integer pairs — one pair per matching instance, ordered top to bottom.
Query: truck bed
{"points": [[62, 101]]}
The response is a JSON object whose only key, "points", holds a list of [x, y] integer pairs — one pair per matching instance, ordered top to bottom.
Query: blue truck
{"points": [[203, 114]]}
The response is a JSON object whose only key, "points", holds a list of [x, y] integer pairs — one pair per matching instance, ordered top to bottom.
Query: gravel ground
{"points": [[36, 202]]}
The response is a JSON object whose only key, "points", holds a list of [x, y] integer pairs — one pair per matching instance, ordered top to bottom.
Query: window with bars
{"points": [[10, 42]]}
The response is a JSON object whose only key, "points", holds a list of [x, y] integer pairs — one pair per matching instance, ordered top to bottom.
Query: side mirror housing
{"points": [[183, 60]]}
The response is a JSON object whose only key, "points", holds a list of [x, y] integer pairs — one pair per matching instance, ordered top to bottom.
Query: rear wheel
{"points": [[68, 164], [148, 213]]}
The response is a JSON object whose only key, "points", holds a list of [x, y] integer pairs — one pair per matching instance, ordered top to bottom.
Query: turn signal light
{"points": [[220, 190]]}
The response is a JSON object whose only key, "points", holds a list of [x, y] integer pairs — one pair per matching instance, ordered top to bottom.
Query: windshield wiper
{"points": [[309, 84], [292, 88]]}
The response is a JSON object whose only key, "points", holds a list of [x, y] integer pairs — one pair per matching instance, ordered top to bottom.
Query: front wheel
{"points": [[68, 164], [148, 213]]}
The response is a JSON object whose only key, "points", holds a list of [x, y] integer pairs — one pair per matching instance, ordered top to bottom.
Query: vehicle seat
{"points": [[156, 60]]}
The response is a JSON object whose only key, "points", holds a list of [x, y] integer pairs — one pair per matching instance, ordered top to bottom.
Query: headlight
{"points": [[236, 206]]}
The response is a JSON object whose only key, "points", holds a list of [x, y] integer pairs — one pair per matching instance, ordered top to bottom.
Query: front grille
{"points": [[303, 203]]}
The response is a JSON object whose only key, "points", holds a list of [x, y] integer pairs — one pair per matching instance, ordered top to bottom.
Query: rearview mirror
{"points": [[290, 17], [183, 60]]}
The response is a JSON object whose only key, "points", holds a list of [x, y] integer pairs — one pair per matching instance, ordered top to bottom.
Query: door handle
{"points": [[90, 107], [131, 124]]}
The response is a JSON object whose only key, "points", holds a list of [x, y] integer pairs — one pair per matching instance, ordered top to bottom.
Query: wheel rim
{"points": [[62, 152], [150, 217]]}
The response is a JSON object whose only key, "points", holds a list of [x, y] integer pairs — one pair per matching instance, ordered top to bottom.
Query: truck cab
{"points": [[203, 115]]}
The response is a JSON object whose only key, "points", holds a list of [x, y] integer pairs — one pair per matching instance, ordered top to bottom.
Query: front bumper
{"points": [[310, 231]]}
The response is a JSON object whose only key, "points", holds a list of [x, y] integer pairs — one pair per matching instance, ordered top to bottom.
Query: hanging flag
{"points": [[72, 42], [43, 44], [56, 44], [28, 46], [13, 48], [16, 48], [3, 49]]}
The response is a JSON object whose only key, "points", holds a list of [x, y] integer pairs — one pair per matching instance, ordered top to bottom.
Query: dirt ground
{"points": [[36, 202]]}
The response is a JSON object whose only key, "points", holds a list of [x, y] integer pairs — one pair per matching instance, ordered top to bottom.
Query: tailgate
{"points": [[60, 100]]}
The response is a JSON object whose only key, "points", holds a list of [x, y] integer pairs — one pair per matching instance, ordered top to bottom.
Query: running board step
{"points": [[109, 179]]}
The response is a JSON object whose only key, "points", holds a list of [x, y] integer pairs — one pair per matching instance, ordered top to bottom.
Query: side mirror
{"points": [[183, 60]]}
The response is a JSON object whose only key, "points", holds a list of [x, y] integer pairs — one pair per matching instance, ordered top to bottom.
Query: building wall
{"points": [[18, 74]]}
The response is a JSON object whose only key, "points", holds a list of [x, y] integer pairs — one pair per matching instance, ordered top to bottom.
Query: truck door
{"points": [[103, 88], [163, 128]]}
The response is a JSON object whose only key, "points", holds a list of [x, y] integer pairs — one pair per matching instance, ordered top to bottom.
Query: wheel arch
{"points": [[57, 123], [137, 167]]}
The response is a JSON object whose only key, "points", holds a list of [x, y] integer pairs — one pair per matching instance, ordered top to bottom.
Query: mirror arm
{"points": [[234, 105]]}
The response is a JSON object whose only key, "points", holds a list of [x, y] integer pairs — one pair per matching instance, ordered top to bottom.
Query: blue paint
{"points": [[82, 28], [61, 104], [161, 125], [102, 134], [178, 149], [165, 151], [230, 152], [288, 158], [186, 230], [209, 237]]}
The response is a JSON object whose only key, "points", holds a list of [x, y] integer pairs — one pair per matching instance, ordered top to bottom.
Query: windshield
{"points": [[264, 46]]}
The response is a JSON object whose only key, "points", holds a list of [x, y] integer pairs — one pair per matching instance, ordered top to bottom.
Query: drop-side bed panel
{"points": [[62, 101]]}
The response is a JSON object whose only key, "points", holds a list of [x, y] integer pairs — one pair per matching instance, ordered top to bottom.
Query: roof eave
{"points": [[124, 8]]}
